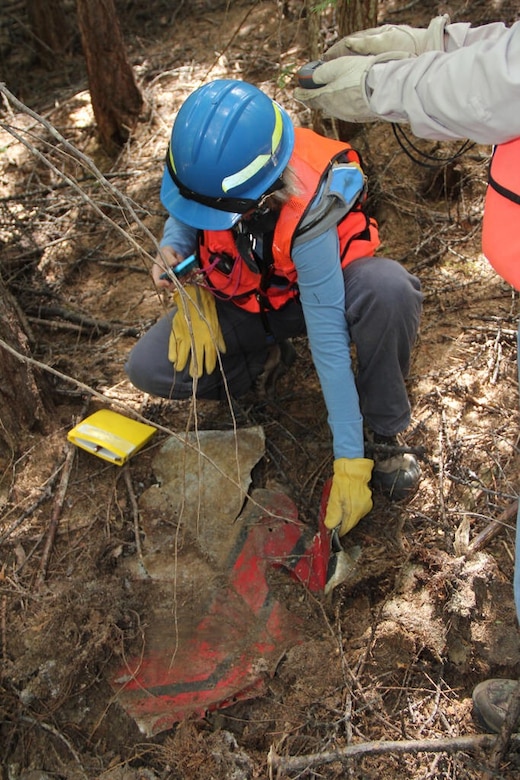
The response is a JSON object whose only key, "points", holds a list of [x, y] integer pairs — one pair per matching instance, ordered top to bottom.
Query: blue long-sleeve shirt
{"points": [[322, 293]]}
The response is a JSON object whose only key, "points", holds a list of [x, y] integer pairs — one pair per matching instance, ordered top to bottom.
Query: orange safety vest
{"points": [[500, 231], [235, 273]]}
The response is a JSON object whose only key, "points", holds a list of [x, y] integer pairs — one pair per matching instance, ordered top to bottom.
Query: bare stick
{"points": [[81, 321], [46, 492], [58, 506], [135, 514], [493, 528], [4, 628], [52, 730], [470, 743]]}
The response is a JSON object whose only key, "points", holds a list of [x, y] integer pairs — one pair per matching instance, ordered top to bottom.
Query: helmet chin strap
{"points": [[233, 205]]}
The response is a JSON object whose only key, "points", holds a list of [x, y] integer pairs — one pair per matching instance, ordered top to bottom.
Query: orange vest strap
{"points": [[255, 287]]}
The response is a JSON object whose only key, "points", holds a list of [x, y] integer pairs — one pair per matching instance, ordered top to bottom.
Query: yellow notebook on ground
{"points": [[111, 436]]}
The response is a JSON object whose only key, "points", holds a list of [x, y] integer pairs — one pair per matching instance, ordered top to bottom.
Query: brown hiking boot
{"points": [[281, 357], [396, 473], [491, 700]]}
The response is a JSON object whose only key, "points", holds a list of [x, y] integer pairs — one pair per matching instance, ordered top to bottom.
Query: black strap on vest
{"points": [[504, 191], [509, 194]]}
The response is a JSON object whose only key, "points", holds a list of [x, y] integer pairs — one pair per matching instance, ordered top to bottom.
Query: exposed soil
{"points": [[396, 651]]}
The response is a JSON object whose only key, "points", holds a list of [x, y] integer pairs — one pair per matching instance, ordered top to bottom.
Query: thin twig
{"points": [[230, 41], [123, 201], [442, 431], [46, 492], [58, 506], [135, 513], [4, 629], [51, 730]]}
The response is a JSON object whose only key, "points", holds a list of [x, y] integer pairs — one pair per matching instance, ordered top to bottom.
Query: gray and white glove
{"points": [[392, 37], [343, 93]]}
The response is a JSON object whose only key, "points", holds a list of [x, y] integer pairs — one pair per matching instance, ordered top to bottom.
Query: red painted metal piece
{"points": [[225, 657]]}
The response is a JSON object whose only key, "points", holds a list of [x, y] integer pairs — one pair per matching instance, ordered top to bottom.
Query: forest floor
{"points": [[395, 653]]}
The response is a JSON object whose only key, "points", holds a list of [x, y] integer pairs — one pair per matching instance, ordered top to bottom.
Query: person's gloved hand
{"points": [[392, 37], [343, 93], [166, 257], [195, 330], [350, 497]]}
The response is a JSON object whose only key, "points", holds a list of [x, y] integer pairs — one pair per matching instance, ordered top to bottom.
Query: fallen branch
{"points": [[80, 321], [54, 325], [46, 492], [58, 506], [135, 514], [493, 528], [54, 731], [469, 743]]}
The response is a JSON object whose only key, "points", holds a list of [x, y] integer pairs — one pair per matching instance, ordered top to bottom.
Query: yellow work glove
{"points": [[195, 330], [350, 496]]}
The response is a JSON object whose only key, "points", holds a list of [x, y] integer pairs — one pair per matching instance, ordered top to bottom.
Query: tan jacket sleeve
{"points": [[470, 91]]}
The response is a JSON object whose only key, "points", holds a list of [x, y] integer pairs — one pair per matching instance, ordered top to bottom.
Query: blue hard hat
{"points": [[230, 144]]}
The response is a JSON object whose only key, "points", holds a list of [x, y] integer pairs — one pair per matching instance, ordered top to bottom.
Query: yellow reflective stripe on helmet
{"points": [[278, 129], [170, 155], [240, 177]]}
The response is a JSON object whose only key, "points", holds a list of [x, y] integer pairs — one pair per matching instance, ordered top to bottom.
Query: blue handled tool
{"points": [[184, 267]]}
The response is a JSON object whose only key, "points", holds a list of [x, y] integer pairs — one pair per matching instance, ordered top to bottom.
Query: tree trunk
{"points": [[354, 15], [49, 26], [116, 99], [21, 406]]}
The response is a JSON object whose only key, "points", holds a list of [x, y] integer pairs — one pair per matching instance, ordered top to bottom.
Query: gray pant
{"points": [[383, 308]]}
